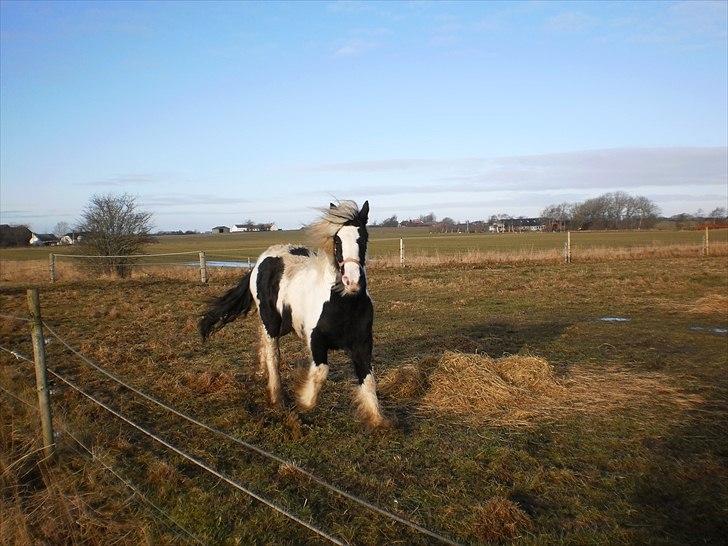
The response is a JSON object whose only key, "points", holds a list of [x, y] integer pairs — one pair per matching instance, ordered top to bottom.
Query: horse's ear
{"points": [[332, 206], [364, 213]]}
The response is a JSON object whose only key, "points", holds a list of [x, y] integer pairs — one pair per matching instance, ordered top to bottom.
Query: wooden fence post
{"points": [[706, 242], [567, 248], [401, 252], [52, 266], [203, 268], [41, 376]]}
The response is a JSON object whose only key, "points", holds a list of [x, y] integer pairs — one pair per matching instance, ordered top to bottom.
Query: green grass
{"points": [[385, 242], [650, 472]]}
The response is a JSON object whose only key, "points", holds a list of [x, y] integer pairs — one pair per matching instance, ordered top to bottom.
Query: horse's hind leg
{"points": [[269, 359], [309, 388]]}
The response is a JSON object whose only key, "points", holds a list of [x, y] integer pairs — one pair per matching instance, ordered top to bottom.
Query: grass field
{"points": [[385, 242], [617, 434]]}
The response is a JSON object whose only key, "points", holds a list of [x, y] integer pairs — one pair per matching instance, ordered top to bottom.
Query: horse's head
{"points": [[350, 251]]}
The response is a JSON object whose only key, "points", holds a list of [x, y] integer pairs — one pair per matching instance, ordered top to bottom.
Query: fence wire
{"points": [[239, 441], [254, 448], [185, 455], [96, 459]]}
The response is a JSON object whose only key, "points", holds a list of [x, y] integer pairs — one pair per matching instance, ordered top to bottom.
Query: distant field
{"points": [[385, 242]]}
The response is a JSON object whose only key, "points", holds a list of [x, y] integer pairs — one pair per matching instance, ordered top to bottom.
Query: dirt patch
{"points": [[522, 390]]}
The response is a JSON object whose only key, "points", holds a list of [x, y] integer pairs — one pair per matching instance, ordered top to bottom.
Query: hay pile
{"points": [[712, 304], [512, 389], [520, 390]]}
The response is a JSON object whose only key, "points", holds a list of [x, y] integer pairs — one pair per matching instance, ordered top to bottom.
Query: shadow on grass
{"points": [[683, 493]]}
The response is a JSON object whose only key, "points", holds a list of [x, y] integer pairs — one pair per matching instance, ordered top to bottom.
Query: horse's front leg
{"points": [[310, 387], [367, 402]]}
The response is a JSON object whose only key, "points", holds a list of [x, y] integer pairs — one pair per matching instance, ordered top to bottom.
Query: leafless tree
{"points": [[116, 227], [61, 228]]}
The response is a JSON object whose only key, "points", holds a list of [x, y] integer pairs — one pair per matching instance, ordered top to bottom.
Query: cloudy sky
{"points": [[215, 113]]}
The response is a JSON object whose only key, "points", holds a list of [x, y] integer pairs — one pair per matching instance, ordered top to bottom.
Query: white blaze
{"points": [[350, 250]]}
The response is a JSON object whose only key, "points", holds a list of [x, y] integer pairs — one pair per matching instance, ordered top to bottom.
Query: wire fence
{"points": [[413, 251], [251, 447], [168, 519]]}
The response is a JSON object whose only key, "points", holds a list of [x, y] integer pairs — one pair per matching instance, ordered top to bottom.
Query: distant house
{"points": [[237, 228], [221, 229], [73, 237], [43, 239]]}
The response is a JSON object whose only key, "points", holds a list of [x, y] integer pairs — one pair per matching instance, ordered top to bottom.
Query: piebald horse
{"points": [[321, 295]]}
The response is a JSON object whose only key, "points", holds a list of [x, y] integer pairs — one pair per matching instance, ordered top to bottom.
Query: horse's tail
{"points": [[233, 303]]}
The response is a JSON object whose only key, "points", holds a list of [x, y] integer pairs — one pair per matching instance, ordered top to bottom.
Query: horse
{"points": [[321, 295]]}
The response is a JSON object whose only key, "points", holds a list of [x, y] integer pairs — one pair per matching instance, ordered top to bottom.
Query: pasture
{"points": [[384, 242], [614, 432]]}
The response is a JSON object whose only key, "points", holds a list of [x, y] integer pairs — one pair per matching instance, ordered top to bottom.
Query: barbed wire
{"points": [[255, 448]]}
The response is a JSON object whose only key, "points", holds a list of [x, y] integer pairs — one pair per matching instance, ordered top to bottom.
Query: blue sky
{"points": [[215, 113]]}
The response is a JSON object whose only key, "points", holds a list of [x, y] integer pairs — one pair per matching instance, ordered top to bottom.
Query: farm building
{"points": [[517, 224], [253, 227], [221, 229], [73, 237], [43, 239]]}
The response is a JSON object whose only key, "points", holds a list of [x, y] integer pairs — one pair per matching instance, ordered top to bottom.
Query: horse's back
{"points": [[290, 281]]}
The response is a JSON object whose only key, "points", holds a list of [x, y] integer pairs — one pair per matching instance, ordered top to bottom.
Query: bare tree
{"points": [[390, 222], [116, 227], [61, 228]]}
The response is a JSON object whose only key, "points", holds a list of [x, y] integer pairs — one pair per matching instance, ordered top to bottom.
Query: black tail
{"points": [[233, 303]]}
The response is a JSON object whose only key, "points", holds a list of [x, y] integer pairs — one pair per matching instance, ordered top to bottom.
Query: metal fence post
{"points": [[401, 252], [52, 266], [203, 267], [41, 376]]}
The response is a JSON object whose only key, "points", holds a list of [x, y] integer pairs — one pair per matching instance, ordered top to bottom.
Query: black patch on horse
{"points": [[300, 251], [270, 272], [346, 323]]}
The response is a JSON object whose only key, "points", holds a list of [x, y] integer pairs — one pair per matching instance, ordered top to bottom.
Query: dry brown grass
{"points": [[595, 254], [36, 271], [523, 390], [500, 520]]}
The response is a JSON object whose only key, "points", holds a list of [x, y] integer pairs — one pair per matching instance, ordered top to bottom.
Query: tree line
{"points": [[614, 210]]}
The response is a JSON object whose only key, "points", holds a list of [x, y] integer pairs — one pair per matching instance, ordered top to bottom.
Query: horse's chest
{"points": [[345, 320]]}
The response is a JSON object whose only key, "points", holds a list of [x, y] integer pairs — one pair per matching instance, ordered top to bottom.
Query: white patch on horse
{"points": [[350, 253], [310, 388], [367, 402]]}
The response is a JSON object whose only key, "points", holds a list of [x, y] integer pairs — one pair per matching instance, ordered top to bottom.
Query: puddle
{"points": [[615, 319], [710, 329]]}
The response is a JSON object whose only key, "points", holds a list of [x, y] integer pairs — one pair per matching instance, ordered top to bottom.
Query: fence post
{"points": [[706, 242], [401, 252], [567, 253], [52, 266], [203, 268], [41, 376]]}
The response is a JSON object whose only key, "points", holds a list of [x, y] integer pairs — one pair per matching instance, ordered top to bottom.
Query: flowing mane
{"points": [[320, 233]]}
